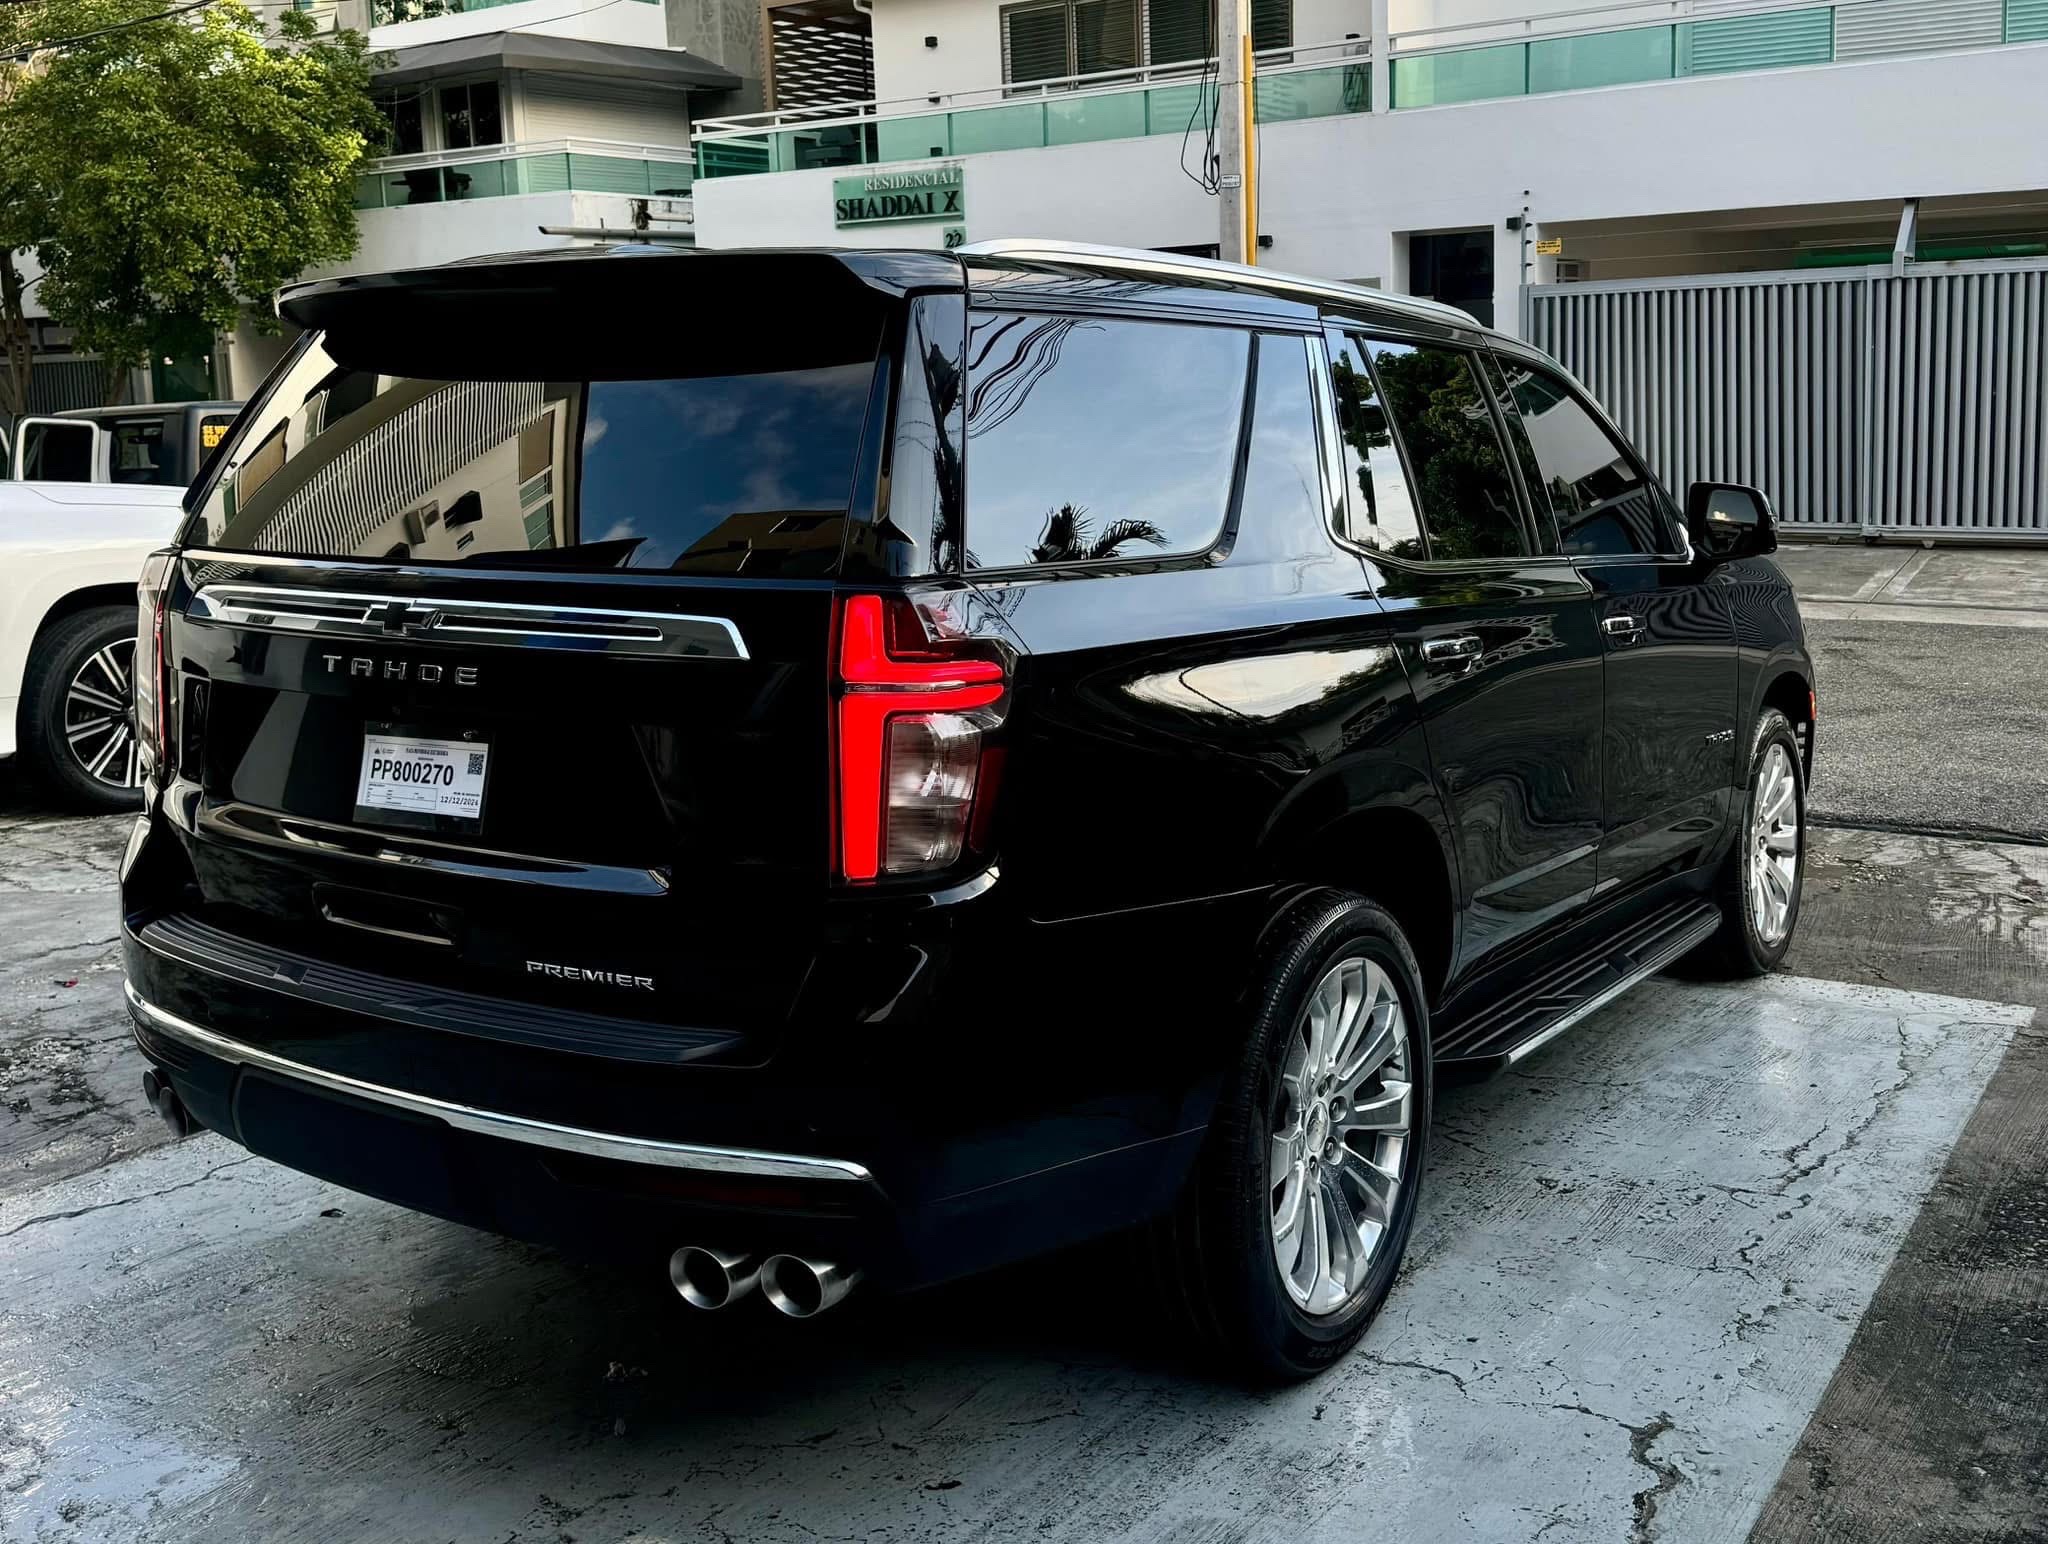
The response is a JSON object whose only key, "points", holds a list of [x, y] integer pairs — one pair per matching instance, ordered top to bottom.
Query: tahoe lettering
{"points": [[400, 670]]}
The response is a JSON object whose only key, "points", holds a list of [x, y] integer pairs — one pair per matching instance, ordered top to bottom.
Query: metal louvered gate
{"points": [[1863, 401]]}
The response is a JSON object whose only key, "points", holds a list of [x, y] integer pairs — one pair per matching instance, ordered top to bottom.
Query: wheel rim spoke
{"points": [[97, 723], [1387, 1111], [1337, 1140]]}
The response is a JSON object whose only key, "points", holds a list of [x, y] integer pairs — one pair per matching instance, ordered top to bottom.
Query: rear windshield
{"points": [[720, 474]]}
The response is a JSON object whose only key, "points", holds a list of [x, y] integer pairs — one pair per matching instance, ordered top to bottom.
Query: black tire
{"points": [[46, 752], [1739, 950], [1216, 1252]]}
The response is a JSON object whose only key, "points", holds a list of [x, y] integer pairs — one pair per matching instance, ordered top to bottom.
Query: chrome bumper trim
{"points": [[496, 1123]]}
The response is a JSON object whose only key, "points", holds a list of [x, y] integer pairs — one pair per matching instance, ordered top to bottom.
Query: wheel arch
{"points": [[1788, 687], [1396, 852]]}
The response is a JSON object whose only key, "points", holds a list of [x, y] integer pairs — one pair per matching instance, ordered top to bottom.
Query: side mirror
{"points": [[1727, 521]]}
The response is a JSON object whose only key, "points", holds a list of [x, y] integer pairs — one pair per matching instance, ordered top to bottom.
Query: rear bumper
{"points": [[990, 1120]]}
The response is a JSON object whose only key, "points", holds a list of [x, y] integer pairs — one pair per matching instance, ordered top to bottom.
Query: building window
{"points": [[1180, 30], [1069, 37], [469, 116], [405, 121]]}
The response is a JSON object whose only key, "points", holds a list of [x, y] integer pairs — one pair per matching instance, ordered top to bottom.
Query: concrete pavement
{"points": [[1932, 671]]}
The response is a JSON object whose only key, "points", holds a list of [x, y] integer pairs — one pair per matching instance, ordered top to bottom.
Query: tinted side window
{"points": [[1092, 438], [143, 453], [1465, 495], [1604, 506], [1379, 509]]}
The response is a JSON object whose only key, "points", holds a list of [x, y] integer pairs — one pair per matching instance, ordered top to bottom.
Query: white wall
{"points": [[621, 21], [969, 56], [1338, 191], [419, 235]]}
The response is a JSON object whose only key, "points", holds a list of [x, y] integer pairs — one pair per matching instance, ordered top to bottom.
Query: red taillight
{"points": [[151, 672], [911, 714]]}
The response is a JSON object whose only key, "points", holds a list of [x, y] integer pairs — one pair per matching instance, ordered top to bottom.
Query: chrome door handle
{"points": [[1620, 626], [1451, 651]]}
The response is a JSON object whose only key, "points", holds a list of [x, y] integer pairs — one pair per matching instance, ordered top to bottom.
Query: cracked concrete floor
{"points": [[1642, 1258], [1640, 1266]]}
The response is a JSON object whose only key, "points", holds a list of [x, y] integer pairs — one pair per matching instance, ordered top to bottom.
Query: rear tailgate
{"points": [[501, 647], [648, 771]]}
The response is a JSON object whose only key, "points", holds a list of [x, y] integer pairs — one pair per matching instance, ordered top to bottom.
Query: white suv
{"points": [[70, 553]]}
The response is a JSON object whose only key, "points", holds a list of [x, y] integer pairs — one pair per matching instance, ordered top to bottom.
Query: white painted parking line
{"points": [[1642, 1255]]}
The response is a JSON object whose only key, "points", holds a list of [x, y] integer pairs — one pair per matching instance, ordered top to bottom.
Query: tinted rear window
{"points": [[719, 474]]}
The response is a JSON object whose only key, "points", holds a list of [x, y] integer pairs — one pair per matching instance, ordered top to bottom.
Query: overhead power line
{"points": [[100, 32]]}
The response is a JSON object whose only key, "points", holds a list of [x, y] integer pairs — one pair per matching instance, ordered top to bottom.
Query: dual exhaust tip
{"points": [[800, 1288]]}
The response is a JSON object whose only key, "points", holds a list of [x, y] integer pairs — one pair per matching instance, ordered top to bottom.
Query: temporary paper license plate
{"points": [[407, 775]]}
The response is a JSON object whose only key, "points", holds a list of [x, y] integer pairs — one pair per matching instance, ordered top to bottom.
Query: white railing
{"points": [[1582, 21], [1271, 61], [620, 149]]}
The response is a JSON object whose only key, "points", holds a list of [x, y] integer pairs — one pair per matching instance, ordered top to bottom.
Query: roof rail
{"points": [[1207, 270]]}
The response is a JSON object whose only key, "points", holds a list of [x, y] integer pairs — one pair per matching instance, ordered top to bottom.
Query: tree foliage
{"points": [[171, 171]]}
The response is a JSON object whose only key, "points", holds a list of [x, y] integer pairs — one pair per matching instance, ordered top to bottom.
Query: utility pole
{"points": [[1236, 155]]}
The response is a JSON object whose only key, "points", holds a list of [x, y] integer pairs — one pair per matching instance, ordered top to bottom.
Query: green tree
{"points": [[170, 171]]}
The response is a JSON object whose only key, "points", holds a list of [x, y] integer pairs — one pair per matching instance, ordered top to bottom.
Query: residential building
{"points": [[1522, 159]]}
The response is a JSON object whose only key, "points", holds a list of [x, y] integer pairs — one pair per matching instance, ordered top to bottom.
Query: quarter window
{"points": [[1093, 438], [1283, 473], [1462, 488], [1605, 506], [1379, 508]]}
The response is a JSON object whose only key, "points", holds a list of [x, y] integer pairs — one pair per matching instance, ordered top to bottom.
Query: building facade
{"points": [[1763, 164]]}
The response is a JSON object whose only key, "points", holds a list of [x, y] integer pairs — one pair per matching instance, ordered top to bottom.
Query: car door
{"points": [[1496, 631], [1668, 750]]}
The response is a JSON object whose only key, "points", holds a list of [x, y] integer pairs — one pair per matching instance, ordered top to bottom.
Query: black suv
{"points": [[808, 765]]}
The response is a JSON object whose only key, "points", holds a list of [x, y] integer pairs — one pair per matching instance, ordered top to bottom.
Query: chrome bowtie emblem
{"points": [[402, 620]]}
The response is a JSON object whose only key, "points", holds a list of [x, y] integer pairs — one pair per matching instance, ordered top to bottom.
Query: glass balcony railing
{"points": [[1430, 68], [1292, 83], [503, 171]]}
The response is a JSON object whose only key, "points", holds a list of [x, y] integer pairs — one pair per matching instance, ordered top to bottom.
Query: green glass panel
{"points": [[2026, 21], [1756, 42], [1604, 59], [1464, 75], [1327, 93], [1170, 109], [1110, 115], [1020, 126], [913, 139], [837, 144], [733, 157], [539, 174], [607, 174], [474, 179], [670, 179], [420, 185], [370, 192]]}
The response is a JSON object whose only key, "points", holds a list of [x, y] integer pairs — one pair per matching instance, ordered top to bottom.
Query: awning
{"points": [[565, 56]]}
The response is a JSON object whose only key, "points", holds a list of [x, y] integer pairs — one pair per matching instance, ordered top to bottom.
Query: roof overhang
{"points": [[559, 55]]}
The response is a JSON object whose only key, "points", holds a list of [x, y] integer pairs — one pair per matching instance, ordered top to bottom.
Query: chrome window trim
{"points": [[353, 614], [496, 1123]]}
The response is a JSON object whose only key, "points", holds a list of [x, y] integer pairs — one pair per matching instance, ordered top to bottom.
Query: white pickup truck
{"points": [[70, 553]]}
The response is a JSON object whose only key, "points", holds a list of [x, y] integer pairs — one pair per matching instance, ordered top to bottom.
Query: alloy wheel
{"points": [[99, 725], [1774, 846], [1340, 1135]]}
